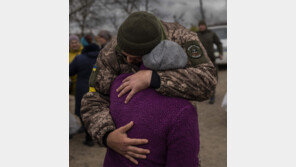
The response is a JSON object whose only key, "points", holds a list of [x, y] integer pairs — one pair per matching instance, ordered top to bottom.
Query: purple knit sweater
{"points": [[170, 125]]}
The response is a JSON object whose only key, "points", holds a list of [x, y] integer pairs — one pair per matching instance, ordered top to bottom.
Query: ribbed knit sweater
{"points": [[170, 124]]}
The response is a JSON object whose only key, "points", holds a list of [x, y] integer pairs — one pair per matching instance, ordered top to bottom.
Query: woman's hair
{"points": [[105, 34], [88, 38]]}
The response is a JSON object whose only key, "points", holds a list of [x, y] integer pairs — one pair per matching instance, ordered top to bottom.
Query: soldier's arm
{"points": [[218, 43], [198, 80], [95, 104], [96, 117]]}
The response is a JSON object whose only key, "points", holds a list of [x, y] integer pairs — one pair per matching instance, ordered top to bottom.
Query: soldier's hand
{"points": [[221, 57], [135, 83], [119, 142]]}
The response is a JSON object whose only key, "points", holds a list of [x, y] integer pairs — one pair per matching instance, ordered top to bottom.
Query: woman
{"points": [[75, 49], [170, 124]]}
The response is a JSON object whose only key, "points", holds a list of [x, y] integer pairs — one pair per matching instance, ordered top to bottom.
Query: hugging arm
{"points": [[197, 80], [95, 110]]}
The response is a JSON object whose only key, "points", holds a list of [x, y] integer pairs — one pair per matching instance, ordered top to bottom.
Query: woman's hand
{"points": [[119, 142]]}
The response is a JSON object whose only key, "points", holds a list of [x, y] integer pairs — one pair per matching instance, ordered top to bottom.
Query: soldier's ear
{"points": [[194, 53]]}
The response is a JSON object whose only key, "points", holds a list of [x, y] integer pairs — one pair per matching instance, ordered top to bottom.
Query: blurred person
{"points": [[137, 36], [103, 38], [208, 38], [86, 40], [74, 49], [82, 66], [170, 124]]}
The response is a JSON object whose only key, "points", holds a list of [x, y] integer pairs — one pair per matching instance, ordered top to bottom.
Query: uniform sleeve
{"points": [[218, 43], [195, 82], [95, 104], [183, 140]]}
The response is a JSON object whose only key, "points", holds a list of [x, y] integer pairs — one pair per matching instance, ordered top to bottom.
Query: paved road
{"points": [[213, 135]]}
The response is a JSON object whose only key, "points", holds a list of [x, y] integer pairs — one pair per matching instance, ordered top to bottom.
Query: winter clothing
{"points": [[139, 33], [208, 38], [89, 39], [84, 41], [72, 55], [166, 55], [82, 65], [195, 82], [170, 125]]}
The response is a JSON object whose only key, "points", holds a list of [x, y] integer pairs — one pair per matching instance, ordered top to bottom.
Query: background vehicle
{"points": [[221, 31]]}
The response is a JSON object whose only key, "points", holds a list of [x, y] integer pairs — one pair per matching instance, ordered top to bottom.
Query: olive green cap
{"points": [[139, 33]]}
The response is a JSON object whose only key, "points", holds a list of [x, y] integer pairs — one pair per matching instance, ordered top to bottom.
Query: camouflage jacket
{"points": [[195, 82]]}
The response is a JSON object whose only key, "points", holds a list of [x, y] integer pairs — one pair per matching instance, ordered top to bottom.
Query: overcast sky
{"points": [[215, 11]]}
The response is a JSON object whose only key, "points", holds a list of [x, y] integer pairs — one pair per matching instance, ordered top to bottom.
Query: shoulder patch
{"points": [[193, 49], [194, 53]]}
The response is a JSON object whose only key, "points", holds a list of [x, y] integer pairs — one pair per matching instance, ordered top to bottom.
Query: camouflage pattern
{"points": [[196, 82]]}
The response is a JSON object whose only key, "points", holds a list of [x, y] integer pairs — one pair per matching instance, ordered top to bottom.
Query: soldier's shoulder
{"points": [[173, 25], [179, 33], [109, 51]]}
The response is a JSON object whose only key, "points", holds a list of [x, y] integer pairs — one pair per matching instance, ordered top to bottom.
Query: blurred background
{"points": [[91, 16], [94, 21]]}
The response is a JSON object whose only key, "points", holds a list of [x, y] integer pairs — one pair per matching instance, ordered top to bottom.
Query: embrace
{"points": [[138, 104]]}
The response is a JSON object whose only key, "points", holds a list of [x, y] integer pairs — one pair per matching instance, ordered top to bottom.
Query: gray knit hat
{"points": [[165, 56]]}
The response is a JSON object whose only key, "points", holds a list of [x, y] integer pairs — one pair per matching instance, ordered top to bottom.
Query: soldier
{"points": [[137, 36], [208, 38]]}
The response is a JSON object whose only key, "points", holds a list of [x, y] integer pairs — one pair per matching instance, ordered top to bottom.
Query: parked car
{"points": [[221, 31]]}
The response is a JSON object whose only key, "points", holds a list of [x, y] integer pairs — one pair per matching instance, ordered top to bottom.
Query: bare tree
{"points": [[79, 5], [146, 5], [128, 6], [202, 13], [85, 14], [88, 15], [179, 18], [114, 21]]}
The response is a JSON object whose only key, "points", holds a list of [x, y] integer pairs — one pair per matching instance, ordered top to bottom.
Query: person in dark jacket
{"points": [[208, 38], [82, 65]]}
